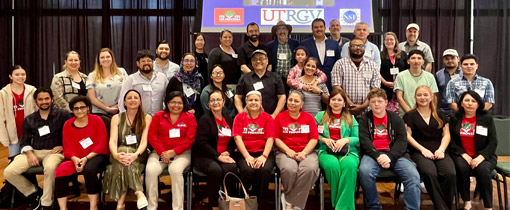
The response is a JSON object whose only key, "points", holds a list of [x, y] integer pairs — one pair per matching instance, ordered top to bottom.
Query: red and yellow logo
{"points": [[228, 16]]}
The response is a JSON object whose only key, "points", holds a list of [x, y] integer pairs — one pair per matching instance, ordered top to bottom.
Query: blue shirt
{"points": [[372, 52], [443, 77], [480, 85]]}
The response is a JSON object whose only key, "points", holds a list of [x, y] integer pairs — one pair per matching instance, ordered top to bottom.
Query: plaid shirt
{"points": [[283, 65], [356, 82], [480, 85]]}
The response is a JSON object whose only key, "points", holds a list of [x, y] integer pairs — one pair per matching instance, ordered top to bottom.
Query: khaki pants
{"points": [[175, 168], [13, 174]]}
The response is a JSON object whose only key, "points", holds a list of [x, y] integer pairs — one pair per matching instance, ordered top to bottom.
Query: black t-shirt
{"points": [[429, 136]]}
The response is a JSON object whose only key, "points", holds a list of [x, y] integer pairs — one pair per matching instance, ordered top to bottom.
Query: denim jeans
{"points": [[404, 168]]}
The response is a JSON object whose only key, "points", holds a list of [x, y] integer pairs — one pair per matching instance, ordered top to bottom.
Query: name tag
{"points": [[330, 53], [369, 53], [234, 55], [282, 56], [394, 71], [367, 75], [455, 76], [75, 85], [258, 85], [147, 88], [188, 91], [480, 92], [229, 94], [320, 128], [305, 129], [44, 130], [481, 130], [226, 132], [175, 133], [130, 139], [85, 143]]}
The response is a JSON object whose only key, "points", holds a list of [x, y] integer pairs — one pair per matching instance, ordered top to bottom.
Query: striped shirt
{"points": [[356, 82]]}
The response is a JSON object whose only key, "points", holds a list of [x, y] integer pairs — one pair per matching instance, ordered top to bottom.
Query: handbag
{"points": [[344, 151], [232, 203]]}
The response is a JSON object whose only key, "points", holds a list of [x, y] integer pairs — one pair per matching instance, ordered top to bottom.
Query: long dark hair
{"points": [[224, 87], [174, 94], [478, 99], [346, 116], [139, 121]]}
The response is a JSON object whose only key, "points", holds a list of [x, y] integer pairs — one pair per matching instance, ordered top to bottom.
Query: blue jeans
{"points": [[405, 169]]}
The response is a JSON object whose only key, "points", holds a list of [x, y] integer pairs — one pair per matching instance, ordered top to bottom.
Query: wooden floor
{"points": [[200, 198]]}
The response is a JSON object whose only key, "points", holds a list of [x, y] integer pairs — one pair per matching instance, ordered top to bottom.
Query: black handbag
{"points": [[344, 151]]}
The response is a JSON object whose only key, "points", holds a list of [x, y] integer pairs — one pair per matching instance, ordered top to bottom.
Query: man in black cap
{"points": [[266, 82]]}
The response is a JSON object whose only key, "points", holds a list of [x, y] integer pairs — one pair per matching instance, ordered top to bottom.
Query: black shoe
{"points": [[34, 200], [45, 207]]}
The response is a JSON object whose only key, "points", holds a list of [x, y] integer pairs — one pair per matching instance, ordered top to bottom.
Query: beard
{"points": [[254, 38], [354, 55], [161, 57], [146, 70], [44, 108]]}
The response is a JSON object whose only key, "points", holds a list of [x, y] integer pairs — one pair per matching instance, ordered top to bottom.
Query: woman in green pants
{"points": [[338, 128]]}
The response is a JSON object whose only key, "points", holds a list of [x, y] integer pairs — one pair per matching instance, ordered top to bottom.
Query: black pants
{"points": [[93, 166], [215, 171], [258, 179], [439, 179], [483, 179]]}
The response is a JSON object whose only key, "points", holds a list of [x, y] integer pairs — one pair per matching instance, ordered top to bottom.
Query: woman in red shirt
{"points": [[171, 134], [254, 136], [296, 137], [84, 142], [473, 146]]}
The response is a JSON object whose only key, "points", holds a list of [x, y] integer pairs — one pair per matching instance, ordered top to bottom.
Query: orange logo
{"points": [[228, 16]]}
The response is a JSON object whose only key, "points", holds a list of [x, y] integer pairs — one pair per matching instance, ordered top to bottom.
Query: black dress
{"points": [[386, 65], [202, 66]]}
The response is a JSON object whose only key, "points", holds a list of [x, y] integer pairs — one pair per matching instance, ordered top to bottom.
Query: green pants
{"points": [[341, 175]]}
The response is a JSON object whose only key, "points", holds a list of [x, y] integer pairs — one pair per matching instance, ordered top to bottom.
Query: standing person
{"points": [[334, 29], [361, 31], [412, 43], [247, 48], [323, 49], [282, 50], [201, 56], [226, 56], [393, 61], [162, 63], [450, 71], [296, 72], [356, 76], [408, 80], [470, 80], [70, 82], [190, 82], [217, 82], [266, 82], [104, 83], [149, 83], [314, 93], [16, 102], [338, 129], [253, 133], [171, 134], [428, 135], [296, 137], [383, 141], [41, 144], [128, 147], [215, 147], [473, 147], [85, 151]]}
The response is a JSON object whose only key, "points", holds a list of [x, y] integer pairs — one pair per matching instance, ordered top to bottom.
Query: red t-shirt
{"points": [[19, 111], [334, 128], [254, 132], [296, 133], [224, 135], [467, 135], [381, 138]]}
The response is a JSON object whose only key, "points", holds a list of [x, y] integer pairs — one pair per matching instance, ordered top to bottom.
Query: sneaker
{"points": [[422, 188], [34, 200], [284, 202]]}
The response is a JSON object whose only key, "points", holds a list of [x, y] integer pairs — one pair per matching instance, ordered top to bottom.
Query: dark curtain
{"points": [[5, 41], [491, 45]]}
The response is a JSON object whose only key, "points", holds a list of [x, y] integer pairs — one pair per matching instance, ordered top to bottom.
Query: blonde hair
{"points": [[67, 55], [98, 69], [432, 104]]}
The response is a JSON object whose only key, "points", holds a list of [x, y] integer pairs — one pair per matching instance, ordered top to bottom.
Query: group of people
{"points": [[325, 103]]}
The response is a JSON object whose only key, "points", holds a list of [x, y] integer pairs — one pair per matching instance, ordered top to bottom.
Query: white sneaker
{"points": [[401, 187], [422, 188], [284, 202]]}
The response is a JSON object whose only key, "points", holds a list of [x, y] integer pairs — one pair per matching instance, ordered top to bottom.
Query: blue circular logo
{"points": [[350, 17]]}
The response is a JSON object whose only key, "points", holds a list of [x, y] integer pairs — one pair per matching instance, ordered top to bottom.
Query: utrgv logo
{"points": [[294, 16]]}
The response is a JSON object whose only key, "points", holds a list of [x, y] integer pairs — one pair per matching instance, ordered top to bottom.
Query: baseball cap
{"points": [[413, 25], [258, 51], [451, 52]]}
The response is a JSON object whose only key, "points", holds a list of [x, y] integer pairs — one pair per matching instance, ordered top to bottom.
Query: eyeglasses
{"points": [[357, 46], [260, 59], [188, 61], [218, 73], [218, 100], [175, 103], [78, 108]]}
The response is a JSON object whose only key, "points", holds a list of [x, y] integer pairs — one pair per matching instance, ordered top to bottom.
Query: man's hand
{"points": [[56, 150], [32, 159], [384, 161]]}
